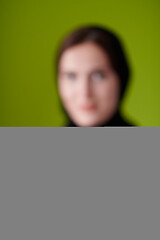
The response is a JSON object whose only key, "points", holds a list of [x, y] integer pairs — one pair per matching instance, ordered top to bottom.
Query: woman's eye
{"points": [[71, 76], [98, 76]]}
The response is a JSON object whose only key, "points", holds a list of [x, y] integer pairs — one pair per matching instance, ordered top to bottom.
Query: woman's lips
{"points": [[88, 107]]}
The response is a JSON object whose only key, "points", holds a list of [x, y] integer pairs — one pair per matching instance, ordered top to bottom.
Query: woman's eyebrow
{"points": [[100, 69], [67, 72]]}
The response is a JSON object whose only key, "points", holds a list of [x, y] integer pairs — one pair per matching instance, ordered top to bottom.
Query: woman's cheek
{"points": [[65, 91], [105, 92], [108, 97]]}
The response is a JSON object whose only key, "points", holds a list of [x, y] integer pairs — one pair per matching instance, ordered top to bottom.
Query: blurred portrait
{"points": [[79, 64]]}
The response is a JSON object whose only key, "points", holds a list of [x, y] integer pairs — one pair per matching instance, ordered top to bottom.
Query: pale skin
{"points": [[88, 85]]}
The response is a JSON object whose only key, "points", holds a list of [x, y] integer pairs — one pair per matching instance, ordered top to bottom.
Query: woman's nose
{"points": [[86, 88]]}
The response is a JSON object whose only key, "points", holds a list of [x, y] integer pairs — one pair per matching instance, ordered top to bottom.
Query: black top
{"points": [[116, 121]]}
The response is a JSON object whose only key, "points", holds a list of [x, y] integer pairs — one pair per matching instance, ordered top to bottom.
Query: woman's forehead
{"points": [[86, 55]]}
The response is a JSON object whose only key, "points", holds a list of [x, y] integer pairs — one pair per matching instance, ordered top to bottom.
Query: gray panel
{"points": [[79, 183]]}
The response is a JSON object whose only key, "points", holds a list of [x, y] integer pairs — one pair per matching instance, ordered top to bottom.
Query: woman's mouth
{"points": [[88, 107]]}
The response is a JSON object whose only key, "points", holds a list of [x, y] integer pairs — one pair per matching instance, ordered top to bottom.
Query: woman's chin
{"points": [[87, 122]]}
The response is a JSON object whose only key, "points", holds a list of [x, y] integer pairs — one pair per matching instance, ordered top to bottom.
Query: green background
{"points": [[30, 33]]}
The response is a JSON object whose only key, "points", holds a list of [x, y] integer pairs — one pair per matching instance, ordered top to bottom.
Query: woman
{"points": [[92, 77]]}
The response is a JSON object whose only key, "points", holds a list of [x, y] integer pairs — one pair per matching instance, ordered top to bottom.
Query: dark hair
{"points": [[108, 41]]}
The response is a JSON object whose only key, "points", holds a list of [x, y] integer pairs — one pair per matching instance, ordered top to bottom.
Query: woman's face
{"points": [[88, 85]]}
